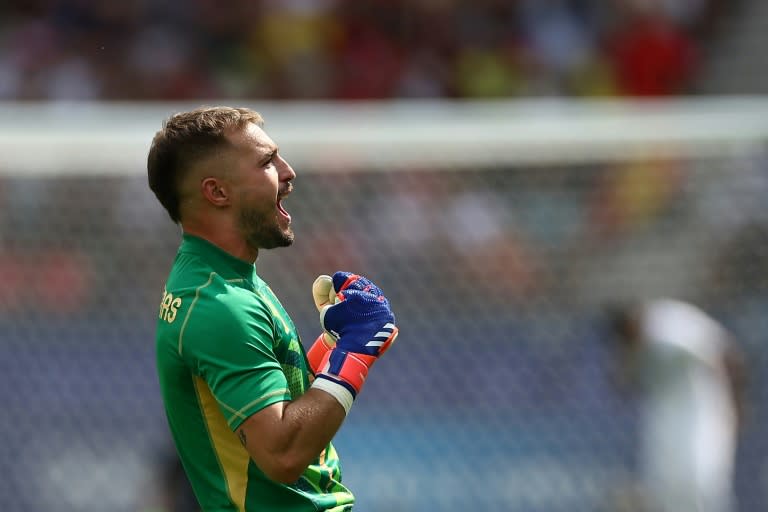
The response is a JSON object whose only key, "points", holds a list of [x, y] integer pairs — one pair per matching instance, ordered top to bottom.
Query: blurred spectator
{"points": [[296, 40], [560, 40], [314, 49], [651, 54], [369, 58], [630, 195], [493, 255], [692, 377]]}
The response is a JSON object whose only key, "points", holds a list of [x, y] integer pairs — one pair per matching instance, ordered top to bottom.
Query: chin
{"points": [[287, 235], [279, 238], [287, 239]]}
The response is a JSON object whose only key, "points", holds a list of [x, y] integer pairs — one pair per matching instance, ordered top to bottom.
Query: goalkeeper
{"points": [[252, 416]]}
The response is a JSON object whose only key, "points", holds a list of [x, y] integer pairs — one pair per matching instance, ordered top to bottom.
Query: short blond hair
{"points": [[185, 138]]}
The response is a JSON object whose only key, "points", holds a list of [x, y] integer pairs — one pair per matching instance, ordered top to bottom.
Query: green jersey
{"points": [[226, 349]]}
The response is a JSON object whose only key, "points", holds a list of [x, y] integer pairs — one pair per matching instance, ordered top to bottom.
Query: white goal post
{"points": [[113, 138]]}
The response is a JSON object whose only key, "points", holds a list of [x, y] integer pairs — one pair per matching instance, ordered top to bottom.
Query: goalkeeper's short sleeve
{"points": [[231, 346]]}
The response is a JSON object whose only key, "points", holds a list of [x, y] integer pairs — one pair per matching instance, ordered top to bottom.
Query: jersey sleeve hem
{"points": [[237, 417]]}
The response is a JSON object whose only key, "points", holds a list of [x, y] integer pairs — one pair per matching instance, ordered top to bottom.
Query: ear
{"points": [[215, 191]]}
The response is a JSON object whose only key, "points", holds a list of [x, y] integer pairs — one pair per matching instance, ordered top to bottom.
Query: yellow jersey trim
{"points": [[232, 456]]}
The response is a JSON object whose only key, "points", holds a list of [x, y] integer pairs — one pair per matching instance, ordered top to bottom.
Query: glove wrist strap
{"points": [[317, 352], [349, 369], [337, 391]]}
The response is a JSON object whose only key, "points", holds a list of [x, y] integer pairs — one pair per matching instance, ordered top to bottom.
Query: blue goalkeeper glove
{"points": [[349, 281], [324, 291], [363, 326]]}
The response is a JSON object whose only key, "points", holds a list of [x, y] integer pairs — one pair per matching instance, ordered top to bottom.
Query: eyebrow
{"points": [[271, 154]]}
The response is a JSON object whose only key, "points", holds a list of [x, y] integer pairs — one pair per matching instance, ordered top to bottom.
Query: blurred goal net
{"points": [[498, 229]]}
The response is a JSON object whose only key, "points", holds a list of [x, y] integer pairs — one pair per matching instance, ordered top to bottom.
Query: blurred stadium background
{"points": [[515, 165]]}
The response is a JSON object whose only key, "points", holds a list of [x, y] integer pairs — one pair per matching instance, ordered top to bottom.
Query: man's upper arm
{"points": [[263, 425]]}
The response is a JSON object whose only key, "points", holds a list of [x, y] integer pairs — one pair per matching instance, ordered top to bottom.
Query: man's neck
{"points": [[227, 239]]}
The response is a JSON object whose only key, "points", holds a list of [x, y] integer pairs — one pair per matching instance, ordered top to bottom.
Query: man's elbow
{"points": [[283, 469], [286, 475]]}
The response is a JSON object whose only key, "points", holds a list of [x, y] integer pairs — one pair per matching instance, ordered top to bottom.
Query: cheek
{"points": [[256, 195], [256, 204]]}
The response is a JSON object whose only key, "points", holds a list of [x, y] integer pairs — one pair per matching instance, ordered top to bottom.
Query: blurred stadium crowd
{"points": [[136, 49]]}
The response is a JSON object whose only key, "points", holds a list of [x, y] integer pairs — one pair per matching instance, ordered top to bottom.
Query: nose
{"points": [[285, 171]]}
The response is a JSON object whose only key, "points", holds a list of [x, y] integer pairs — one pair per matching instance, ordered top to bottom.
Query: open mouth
{"points": [[280, 207], [283, 210]]}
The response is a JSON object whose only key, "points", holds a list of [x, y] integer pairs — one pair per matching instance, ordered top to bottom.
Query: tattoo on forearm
{"points": [[241, 435]]}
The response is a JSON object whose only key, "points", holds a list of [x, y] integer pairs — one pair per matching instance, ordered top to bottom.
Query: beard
{"points": [[261, 229]]}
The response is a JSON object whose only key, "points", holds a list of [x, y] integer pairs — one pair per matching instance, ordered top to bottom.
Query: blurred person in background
{"points": [[651, 55], [692, 377], [252, 415]]}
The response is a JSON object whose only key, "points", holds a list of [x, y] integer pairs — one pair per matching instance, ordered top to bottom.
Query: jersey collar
{"points": [[222, 262]]}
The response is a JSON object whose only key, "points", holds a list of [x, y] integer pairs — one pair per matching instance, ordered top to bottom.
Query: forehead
{"points": [[252, 139]]}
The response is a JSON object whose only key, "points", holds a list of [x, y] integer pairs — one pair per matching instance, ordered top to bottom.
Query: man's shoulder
{"points": [[188, 273], [211, 298], [210, 302]]}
